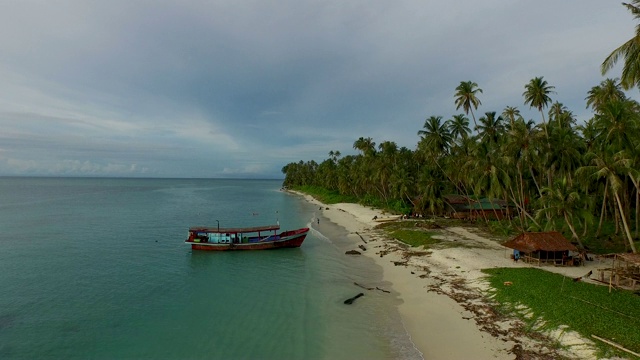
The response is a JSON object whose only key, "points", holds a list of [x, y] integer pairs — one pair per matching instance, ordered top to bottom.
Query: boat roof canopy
{"points": [[233, 230]]}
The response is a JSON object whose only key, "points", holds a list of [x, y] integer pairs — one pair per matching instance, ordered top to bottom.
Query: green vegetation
{"points": [[582, 180], [326, 196], [416, 233], [414, 238], [556, 300]]}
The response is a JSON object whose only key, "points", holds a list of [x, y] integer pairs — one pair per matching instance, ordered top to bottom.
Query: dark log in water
{"points": [[351, 300]]}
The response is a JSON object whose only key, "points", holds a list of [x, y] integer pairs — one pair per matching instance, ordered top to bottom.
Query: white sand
{"points": [[444, 307]]}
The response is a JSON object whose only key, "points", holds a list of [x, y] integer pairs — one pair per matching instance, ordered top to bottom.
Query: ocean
{"points": [[97, 268]]}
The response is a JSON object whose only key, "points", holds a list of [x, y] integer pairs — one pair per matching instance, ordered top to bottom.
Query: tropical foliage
{"points": [[555, 174]]}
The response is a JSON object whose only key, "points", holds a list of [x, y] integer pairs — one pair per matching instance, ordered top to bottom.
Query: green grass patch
{"points": [[326, 196], [415, 238], [586, 308]]}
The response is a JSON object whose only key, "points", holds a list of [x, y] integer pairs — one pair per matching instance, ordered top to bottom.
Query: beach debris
{"points": [[361, 238], [362, 247], [353, 252], [400, 263], [584, 277], [508, 283], [364, 287], [370, 288], [350, 301], [615, 345]]}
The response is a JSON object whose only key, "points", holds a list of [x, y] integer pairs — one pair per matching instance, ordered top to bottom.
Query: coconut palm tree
{"points": [[630, 51], [608, 90], [536, 95], [467, 98], [512, 113], [458, 126], [491, 127], [436, 137], [366, 145], [610, 167], [565, 201]]}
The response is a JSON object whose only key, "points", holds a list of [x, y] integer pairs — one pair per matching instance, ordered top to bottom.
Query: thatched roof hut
{"points": [[540, 241], [540, 247]]}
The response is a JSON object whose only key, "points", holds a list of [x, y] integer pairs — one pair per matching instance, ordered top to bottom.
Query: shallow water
{"points": [[97, 268]]}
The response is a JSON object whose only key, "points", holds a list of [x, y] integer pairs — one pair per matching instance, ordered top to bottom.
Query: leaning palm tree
{"points": [[630, 51], [536, 95], [467, 99], [610, 167], [565, 201]]}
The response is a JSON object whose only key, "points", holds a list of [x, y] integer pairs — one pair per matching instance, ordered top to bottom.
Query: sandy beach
{"points": [[445, 308]]}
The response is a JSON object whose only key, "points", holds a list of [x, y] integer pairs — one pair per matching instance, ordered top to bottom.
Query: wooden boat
{"points": [[248, 238]]}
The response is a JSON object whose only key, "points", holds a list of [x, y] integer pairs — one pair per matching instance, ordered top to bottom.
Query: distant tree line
{"points": [[554, 173]]}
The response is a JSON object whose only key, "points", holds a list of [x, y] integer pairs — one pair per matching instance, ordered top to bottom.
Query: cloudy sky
{"points": [[235, 88]]}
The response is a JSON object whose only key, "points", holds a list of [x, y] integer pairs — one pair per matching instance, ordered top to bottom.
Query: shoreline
{"points": [[445, 307]]}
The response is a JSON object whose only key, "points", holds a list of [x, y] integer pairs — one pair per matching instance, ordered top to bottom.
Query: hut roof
{"points": [[454, 199], [536, 241]]}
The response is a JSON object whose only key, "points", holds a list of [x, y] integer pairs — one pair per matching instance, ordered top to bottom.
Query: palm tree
{"points": [[630, 50], [608, 90], [536, 95], [467, 99], [512, 113], [618, 122], [458, 126], [490, 128], [436, 137], [366, 145], [610, 167], [565, 201]]}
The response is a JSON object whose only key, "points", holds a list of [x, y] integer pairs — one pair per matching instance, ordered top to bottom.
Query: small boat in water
{"points": [[249, 238]]}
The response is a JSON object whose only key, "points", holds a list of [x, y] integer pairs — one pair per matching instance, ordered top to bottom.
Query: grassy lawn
{"points": [[416, 233], [586, 308]]}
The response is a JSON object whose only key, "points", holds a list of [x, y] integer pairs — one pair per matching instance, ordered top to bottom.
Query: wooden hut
{"points": [[463, 207], [543, 247]]}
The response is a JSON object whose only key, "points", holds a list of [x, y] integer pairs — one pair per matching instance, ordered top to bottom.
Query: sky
{"points": [[239, 89]]}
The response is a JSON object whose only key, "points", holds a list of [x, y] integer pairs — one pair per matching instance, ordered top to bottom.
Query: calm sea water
{"points": [[97, 269]]}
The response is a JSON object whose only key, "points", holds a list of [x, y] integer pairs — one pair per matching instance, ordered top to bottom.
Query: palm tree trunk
{"points": [[534, 181], [637, 186], [604, 204], [524, 211], [624, 222], [573, 230]]}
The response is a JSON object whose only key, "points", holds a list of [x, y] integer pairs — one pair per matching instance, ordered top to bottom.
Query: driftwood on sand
{"points": [[371, 288], [350, 301]]}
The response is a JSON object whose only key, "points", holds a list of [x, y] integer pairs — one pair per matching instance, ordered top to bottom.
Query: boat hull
{"points": [[287, 239]]}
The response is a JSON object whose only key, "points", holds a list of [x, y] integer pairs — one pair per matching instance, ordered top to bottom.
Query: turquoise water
{"points": [[97, 269]]}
